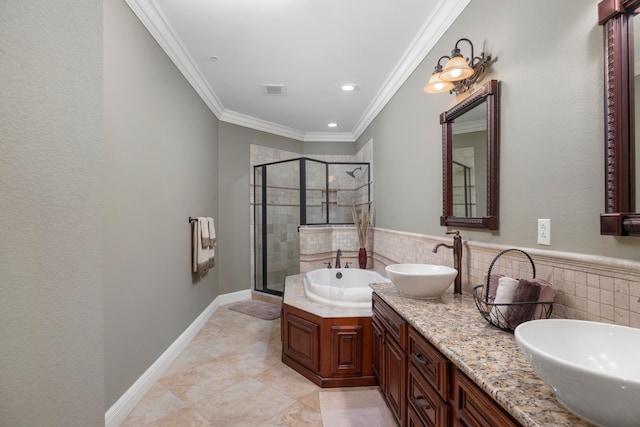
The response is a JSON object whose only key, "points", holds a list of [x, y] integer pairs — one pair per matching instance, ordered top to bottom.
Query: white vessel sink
{"points": [[421, 280], [593, 368]]}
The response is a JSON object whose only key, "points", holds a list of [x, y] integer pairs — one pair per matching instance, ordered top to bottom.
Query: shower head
{"points": [[352, 173]]}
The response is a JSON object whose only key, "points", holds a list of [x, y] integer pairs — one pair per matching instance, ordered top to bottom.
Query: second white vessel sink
{"points": [[421, 280], [593, 368]]}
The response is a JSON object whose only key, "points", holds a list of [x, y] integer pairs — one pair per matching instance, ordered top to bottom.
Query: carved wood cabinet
{"points": [[389, 337], [331, 352], [421, 385]]}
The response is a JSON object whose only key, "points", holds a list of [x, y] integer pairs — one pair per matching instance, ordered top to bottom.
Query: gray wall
{"points": [[549, 60], [335, 148], [161, 160], [51, 263]]}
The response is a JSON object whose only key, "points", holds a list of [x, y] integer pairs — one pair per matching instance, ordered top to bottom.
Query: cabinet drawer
{"points": [[396, 326], [432, 364], [425, 401], [473, 407], [413, 420]]}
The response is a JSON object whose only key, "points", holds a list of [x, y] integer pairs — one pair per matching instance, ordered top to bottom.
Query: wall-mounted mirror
{"points": [[470, 159], [621, 185]]}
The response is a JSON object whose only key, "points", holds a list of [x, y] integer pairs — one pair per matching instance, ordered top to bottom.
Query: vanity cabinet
{"points": [[389, 337], [421, 385]]}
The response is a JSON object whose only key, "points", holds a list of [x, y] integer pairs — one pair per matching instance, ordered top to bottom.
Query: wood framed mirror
{"points": [[470, 160], [620, 217]]}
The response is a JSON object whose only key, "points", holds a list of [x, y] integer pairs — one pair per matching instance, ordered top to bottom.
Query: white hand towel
{"points": [[204, 232], [212, 233], [196, 244], [202, 257], [504, 295]]}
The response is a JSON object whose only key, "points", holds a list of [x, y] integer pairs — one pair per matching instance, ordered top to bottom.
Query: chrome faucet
{"points": [[338, 255], [457, 259]]}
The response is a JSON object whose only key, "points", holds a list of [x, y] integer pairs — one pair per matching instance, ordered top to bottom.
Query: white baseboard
{"points": [[123, 406]]}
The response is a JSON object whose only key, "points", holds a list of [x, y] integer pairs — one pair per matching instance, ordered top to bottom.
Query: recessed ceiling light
{"points": [[348, 87], [332, 125]]}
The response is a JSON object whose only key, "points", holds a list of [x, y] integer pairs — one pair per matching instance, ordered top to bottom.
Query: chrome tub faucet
{"points": [[338, 255]]}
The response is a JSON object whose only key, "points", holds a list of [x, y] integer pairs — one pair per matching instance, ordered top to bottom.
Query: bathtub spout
{"points": [[338, 255]]}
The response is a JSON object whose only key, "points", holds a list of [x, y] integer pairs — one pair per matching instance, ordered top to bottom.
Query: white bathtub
{"points": [[342, 287]]}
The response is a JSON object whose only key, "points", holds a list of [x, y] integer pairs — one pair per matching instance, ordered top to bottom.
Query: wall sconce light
{"points": [[459, 74]]}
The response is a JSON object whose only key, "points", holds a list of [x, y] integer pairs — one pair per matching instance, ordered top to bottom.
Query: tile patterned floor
{"points": [[230, 375]]}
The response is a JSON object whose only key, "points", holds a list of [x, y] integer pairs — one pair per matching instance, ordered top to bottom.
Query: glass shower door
{"points": [[277, 217]]}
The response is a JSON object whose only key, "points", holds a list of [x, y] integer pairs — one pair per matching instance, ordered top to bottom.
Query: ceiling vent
{"points": [[278, 90]]}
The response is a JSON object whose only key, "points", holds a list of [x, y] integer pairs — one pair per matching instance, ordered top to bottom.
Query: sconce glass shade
{"points": [[456, 69], [437, 85]]}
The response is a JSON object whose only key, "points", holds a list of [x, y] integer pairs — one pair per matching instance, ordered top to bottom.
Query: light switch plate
{"points": [[544, 231]]}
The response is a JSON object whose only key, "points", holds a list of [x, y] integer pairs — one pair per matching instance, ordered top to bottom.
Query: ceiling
{"points": [[229, 49]]}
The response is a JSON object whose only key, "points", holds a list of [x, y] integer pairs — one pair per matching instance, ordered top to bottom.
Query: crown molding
{"points": [[157, 25], [434, 27], [251, 122], [329, 137]]}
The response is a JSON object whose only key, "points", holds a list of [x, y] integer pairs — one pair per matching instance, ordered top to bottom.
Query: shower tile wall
{"points": [[316, 192]]}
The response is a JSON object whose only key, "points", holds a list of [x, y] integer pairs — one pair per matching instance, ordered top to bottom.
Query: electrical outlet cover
{"points": [[544, 231]]}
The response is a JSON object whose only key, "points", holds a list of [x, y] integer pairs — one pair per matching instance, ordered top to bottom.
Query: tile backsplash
{"points": [[588, 287]]}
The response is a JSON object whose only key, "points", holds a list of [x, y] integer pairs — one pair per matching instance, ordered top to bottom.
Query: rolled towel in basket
{"points": [[493, 287], [527, 291], [547, 294], [504, 295]]}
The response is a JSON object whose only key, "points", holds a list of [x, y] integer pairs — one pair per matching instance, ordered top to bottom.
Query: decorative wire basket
{"points": [[508, 316]]}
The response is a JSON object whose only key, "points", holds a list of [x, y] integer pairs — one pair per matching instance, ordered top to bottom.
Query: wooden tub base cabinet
{"points": [[330, 352]]}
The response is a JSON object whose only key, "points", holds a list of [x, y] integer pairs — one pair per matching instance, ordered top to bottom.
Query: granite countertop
{"points": [[489, 356]]}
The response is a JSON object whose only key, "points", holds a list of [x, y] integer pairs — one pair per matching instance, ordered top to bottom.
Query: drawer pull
{"points": [[418, 358], [419, 401]]}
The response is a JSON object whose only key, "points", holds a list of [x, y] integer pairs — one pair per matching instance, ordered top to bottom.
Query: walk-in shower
{"points": [[291, 193]]}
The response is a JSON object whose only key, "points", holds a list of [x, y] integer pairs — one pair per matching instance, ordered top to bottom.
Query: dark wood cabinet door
{"points": [[377, 339], [301, 341], [346, 350], [395, 366]]}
